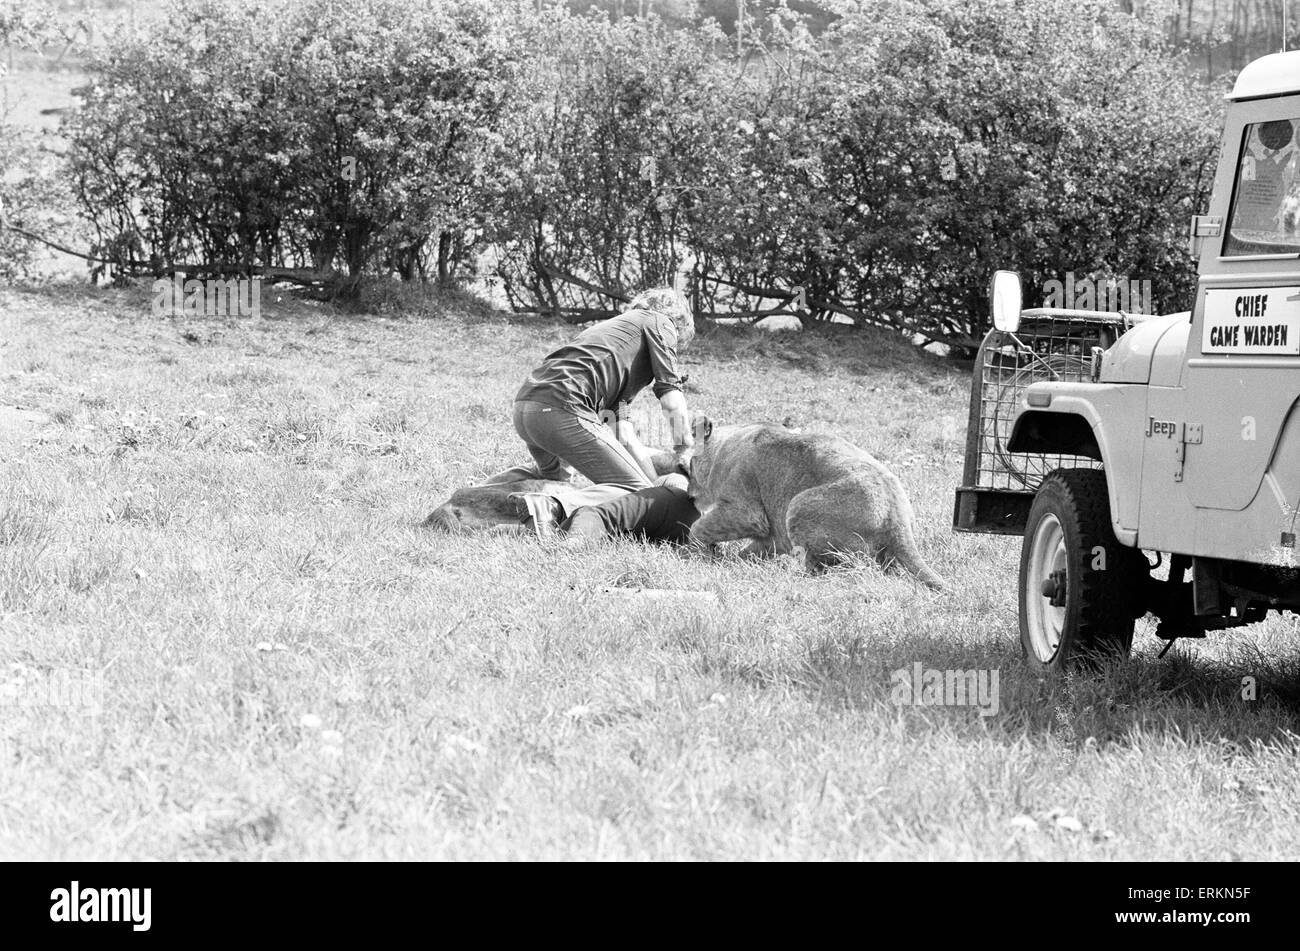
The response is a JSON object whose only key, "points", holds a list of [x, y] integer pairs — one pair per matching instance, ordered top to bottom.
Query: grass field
{"points": [[218, 518]]}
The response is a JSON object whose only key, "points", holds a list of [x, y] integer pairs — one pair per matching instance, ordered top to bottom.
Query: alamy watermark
{"points": [[1099, 293], [214, 297], [651, 425], [920, 686], [71, 689], [78, 903]]}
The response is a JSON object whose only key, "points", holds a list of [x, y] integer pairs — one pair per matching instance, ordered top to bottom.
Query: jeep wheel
{"points": [[1077, 583]]}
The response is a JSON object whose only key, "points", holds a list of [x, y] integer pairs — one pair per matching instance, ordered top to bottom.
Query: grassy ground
{"points": [[218, 518]]}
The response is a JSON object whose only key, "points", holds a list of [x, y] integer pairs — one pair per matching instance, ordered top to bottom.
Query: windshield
{"points": [[1265, 215]]}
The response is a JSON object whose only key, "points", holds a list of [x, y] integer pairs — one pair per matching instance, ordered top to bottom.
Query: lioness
{"points": [[783, 489]]}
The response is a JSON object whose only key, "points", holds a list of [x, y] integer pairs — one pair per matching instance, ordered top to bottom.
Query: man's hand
{"points": [[679, 420], [626, 433]]}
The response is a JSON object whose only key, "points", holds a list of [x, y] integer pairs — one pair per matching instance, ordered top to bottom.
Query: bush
{"points": [[1042, 135], [302, 139], [600, 165], [878, 168], [889, 168], [880, 171], [30, 189], [33, 197]]}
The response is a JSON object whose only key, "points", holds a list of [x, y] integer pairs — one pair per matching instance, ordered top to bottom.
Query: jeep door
{"points": [[1242, 378]]}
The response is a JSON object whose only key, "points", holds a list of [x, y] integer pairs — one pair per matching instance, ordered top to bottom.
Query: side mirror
{"points": [[1004, 294]]}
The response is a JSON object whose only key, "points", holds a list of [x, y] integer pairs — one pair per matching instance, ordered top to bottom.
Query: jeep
{"points": [[1119, 443]]}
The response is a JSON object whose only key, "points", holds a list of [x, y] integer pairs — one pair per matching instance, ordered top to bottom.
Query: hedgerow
{"points": [[876, 169]]}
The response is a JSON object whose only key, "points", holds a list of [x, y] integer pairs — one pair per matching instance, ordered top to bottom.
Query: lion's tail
{"points": [[909, 556]]}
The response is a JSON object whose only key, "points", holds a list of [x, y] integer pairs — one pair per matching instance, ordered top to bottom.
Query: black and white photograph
{"points": [[647, 431]]}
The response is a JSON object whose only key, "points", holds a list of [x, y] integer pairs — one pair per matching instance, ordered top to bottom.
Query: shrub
{"points": [[1042, 135], [307, 137], [878, 168], [599, 169], [888, 169], [879, 171], [30, 192], [33, 198]]}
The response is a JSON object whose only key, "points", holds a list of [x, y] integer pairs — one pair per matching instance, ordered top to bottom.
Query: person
{"points": [[559, 409], [663, 512], [660, 513]]}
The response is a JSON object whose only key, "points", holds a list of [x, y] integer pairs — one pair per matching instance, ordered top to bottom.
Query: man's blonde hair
{"points": [[666, 301]]}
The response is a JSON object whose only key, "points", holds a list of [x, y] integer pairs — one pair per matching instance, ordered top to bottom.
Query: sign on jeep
{"points": [[1118, 445]]}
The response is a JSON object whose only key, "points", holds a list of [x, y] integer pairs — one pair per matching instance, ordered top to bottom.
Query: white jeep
{"points": [[1113, 442]]}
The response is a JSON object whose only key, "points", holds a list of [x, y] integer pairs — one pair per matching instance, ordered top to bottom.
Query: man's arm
{"points": [[661, 339], [673, 403], [626, 433]]}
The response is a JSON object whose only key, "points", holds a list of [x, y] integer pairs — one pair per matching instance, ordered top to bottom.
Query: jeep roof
{"points": [[1273, 75]]}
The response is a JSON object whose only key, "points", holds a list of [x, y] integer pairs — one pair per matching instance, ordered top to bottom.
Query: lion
{"points": [[784, 489]]}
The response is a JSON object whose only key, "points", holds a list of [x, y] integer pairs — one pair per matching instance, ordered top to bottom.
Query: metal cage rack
{"points": [[998, 485]]}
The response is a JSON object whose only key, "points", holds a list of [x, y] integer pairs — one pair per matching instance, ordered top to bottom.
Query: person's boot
{"points": [[537, 511]]}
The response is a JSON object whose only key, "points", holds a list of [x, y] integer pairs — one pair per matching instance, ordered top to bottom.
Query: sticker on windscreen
{"points": [[1265, 216]]}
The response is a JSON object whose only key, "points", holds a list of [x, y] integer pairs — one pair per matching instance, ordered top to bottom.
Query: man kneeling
{"points": [[558, 412]]}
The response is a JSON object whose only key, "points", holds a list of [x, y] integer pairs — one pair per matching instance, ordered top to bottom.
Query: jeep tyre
{"points": [[1078, 585]]}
